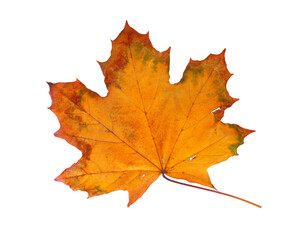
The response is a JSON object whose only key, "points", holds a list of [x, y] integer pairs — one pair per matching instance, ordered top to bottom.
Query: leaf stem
{"points": [[210, 190]]}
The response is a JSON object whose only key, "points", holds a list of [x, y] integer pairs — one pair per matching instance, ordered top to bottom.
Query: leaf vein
{"points": [[79, 107], [182, 129]]}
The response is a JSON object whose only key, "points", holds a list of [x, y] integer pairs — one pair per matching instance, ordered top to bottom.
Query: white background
{"points": [[61, 40]]}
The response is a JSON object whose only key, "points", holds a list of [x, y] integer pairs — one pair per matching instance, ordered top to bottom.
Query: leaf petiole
{"points": [[210, 190]]}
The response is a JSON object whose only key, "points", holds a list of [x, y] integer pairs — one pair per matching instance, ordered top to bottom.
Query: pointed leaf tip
{"points": [[127, 26], [223, 52], [166, 53], [191, 61], [50, 84], [249, 131], [58, 133], [58, 179]]}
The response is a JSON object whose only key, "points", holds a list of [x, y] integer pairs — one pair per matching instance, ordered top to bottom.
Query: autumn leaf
{"points": [[146, 127]]}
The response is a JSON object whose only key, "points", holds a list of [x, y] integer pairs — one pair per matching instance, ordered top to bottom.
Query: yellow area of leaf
{"points": [[145, 126]]}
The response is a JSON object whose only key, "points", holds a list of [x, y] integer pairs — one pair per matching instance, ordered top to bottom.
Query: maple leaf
{"points": [[146, 126]]}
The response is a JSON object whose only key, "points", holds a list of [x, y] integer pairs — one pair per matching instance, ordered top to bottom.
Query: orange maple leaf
{"points": [[146, 126]]}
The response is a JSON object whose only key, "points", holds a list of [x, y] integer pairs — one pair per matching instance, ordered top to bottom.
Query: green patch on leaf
{"points": [[138, 48], [148, 55], [157, 61], [195, 72], [82, 92], [92, 94], [222, 94], [235, 127], [240, 139], [233, 148], [98, 188]]}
